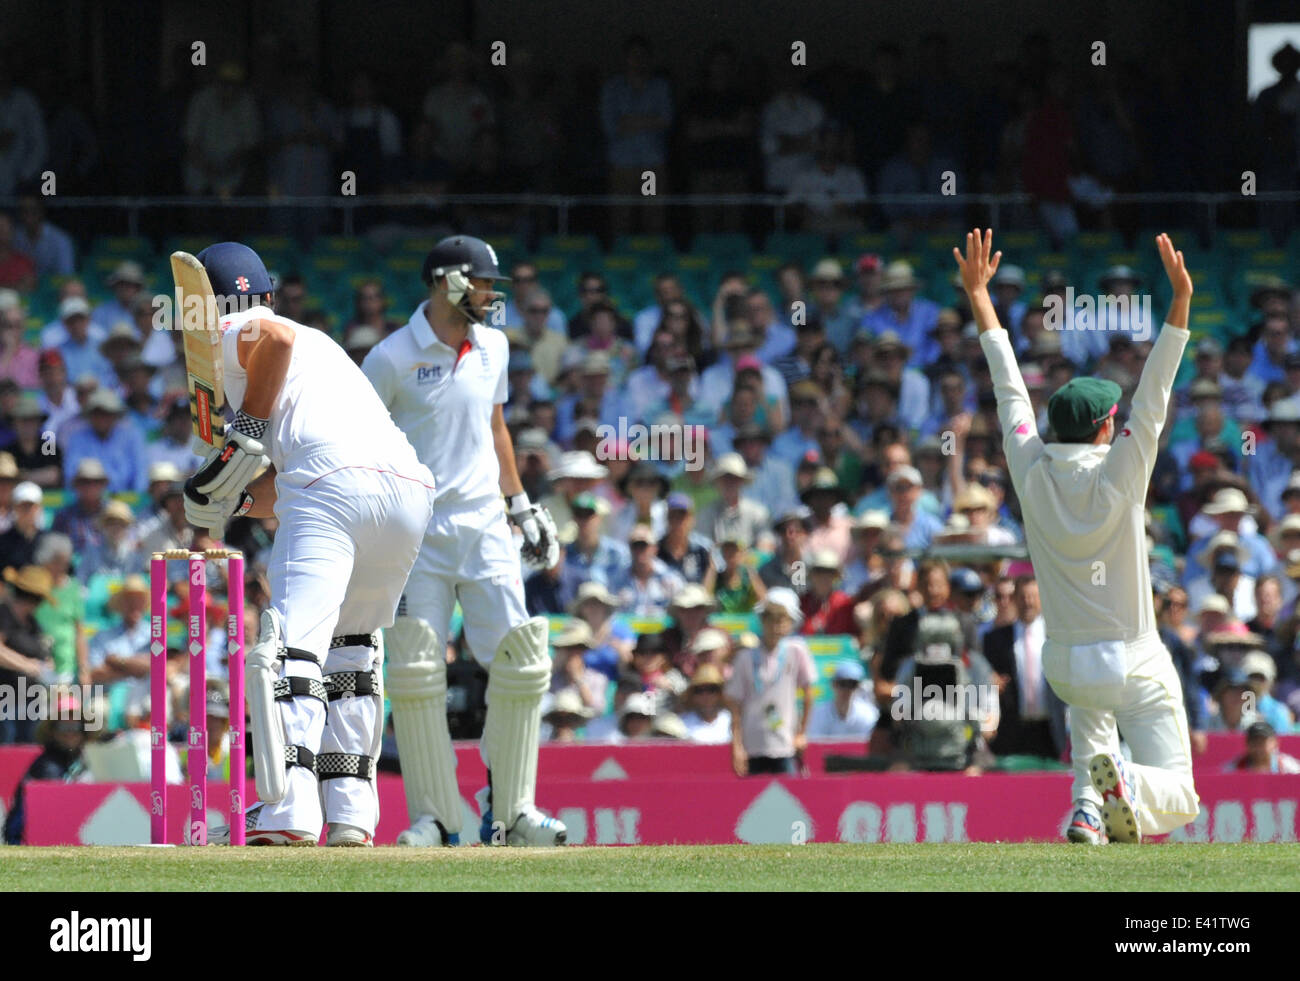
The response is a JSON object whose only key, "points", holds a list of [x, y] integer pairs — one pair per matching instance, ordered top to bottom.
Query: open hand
{"points": [[978, 266], [1175, 267]]}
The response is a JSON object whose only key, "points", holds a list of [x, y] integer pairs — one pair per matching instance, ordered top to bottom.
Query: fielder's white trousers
{"points": [[348, 536], [469, 554], [1130, 688]]}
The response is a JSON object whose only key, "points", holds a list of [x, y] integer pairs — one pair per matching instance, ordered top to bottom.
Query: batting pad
{"points": [[518, 678], [417, 691], [347, 761]]}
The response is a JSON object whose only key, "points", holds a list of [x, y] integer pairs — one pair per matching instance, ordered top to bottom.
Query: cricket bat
{"points": [[196, 315]]}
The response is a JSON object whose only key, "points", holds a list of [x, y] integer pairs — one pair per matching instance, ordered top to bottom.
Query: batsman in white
{"points": [[443, 378], [353, 501], [1084, 502]]}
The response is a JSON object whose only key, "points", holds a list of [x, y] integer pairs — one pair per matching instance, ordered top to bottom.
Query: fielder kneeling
{"points": [[443, 378], [353, 501], [1084, 503]]}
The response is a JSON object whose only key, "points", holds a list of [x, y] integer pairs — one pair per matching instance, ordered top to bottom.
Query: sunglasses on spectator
{"points": [[636, 545]]}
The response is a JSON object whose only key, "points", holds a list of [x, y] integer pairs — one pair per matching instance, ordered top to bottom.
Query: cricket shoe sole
{"points": [[1118, 807]]}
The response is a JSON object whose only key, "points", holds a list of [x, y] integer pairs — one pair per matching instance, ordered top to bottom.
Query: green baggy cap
{"points": [[1078, 407]]}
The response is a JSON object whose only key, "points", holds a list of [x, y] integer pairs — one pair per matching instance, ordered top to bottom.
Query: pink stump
{"points": [[235, 656], [158, 700], [197, 759]]}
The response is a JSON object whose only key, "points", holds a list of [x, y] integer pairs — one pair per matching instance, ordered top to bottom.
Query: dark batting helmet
{"points": [[457, 260]]}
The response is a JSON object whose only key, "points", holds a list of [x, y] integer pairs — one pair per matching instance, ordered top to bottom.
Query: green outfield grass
{"points": [[1004, 867]]}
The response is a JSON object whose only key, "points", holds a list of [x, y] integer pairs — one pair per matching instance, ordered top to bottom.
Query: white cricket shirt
{"points": [[443, 401], [325, 415], [1085, 506]]}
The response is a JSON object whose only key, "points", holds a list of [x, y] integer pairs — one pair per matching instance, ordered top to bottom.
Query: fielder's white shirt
{"points": [[443, 400], [325, 410], [1085, 506]]}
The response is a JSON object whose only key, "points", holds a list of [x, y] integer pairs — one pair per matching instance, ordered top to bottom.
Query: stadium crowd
{"points": [[805, 449]]}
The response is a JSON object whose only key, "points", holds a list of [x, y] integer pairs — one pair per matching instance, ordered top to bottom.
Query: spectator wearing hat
{"points": [[126, 282], [1007, 288], [867, 296], [909, 316], [838, 318], [1276, 341], [80, 349], [17, 357], [1208, 362], [718, 381], [597, 394], [57, 398], [807, 409], [1207, 426], [110, 439], [174, 444], [1277, 456], [891, 457], [576, 472], [771, 481], [645, 488], [980, 509], [1228, 509], [733, 514], [79, 520], [830, 522], [917, 525], [791, 527], [167, 528], [18, 543], [682, 549], [114, 555], [592, 555], [863, 571], [647, 585], [737, 587], [825, 609], [689, 611], [62, 617], [711, 646], [26, 650], [610, 650], [121, 651], [570, 671], [659, 678], [1232, 700], [851, 713], [566, 718], [706, 718], [634, 720], [604, 729], [768, 732], [1263, 753]]}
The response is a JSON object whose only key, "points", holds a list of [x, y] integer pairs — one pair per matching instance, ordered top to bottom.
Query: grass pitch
{"points": [[747, 868]]}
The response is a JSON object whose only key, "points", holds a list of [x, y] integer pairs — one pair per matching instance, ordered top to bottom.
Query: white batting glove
{"points": [[229, 469], [212, 513], [541, 548]]}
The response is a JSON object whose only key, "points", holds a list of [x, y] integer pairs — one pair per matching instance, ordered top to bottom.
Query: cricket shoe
{"points": [[1118, 800], [531, 828], [1086, 828], [428, 832], [254, 836], [348, 836]]}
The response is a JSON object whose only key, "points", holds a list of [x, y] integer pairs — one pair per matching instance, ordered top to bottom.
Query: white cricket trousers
{"points": [[347, 539], [469, 554], [1129, 688]]}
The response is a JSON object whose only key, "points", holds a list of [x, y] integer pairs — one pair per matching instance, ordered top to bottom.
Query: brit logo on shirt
{"points": [[426, 374]]}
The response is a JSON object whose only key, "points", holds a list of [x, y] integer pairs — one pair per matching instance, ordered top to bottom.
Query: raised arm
{"points": [[1020, 439], [1133, 454]]}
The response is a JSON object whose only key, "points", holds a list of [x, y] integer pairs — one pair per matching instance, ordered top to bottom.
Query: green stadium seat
{"points": [[1243, 239], [1019, 241], [1100, 241], [858, 243], [193, 244], [416, 244], [123, 246], [653, 247], [726, 247], [802, 247], [577, 248], [622, 264], [402, 266]]}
